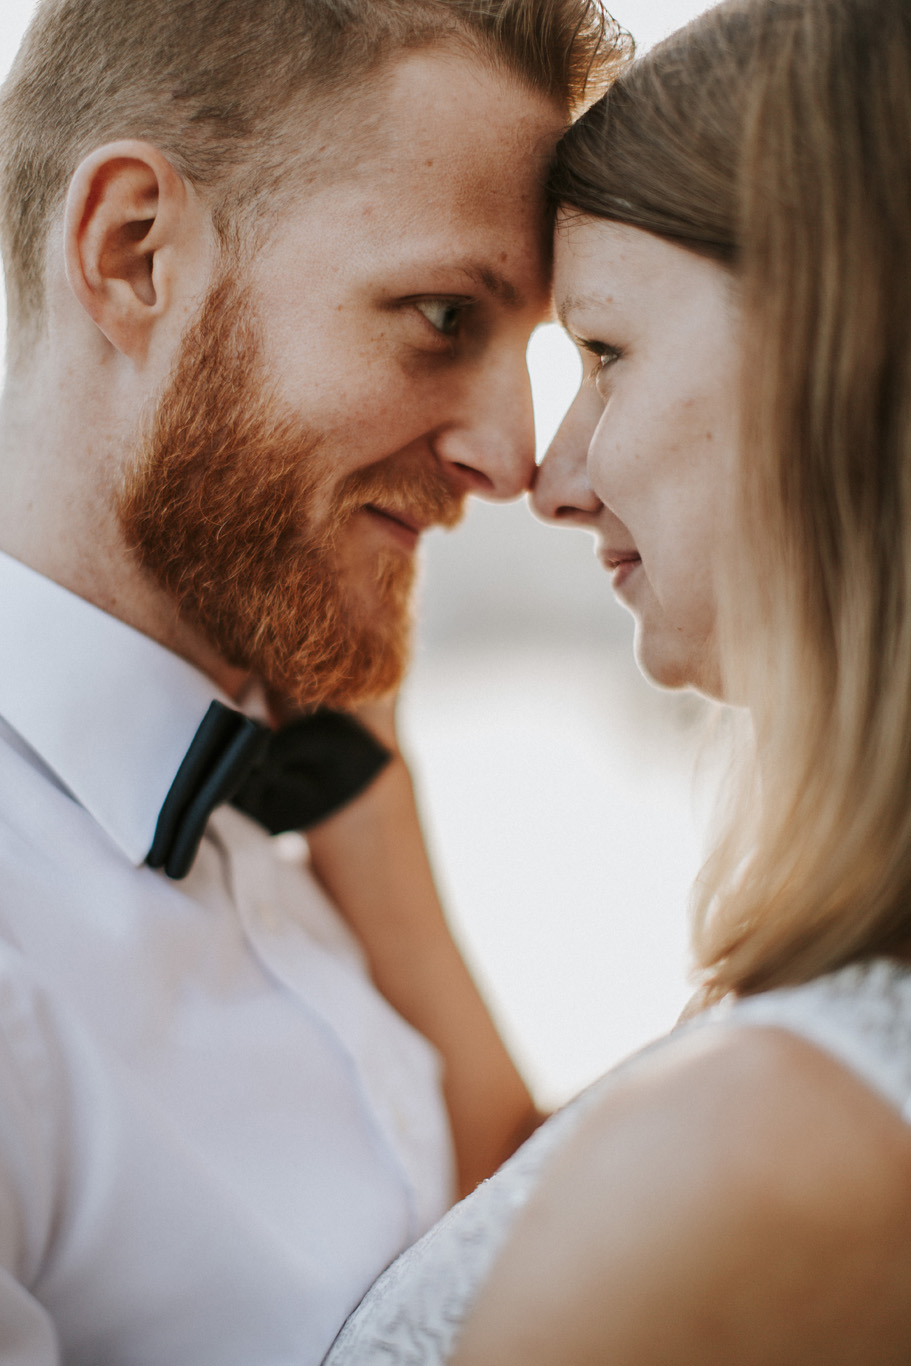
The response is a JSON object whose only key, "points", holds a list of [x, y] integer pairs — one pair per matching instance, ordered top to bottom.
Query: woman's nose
{"points": [[561, 491]]}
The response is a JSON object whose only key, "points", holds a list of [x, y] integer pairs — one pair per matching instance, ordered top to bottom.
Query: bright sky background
{"points": [[557, 785]]}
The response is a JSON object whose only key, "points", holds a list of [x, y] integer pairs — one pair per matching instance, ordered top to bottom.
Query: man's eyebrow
{"points": [[492, 282]]}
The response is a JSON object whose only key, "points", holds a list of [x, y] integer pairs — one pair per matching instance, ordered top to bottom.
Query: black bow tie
{"points": [[286, 779]]}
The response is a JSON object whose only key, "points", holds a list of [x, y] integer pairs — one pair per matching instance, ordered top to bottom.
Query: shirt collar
{"points": [[109, 710]]}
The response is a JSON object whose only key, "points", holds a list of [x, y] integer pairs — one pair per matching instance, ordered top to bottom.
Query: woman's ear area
{"points": [[137, 238]]}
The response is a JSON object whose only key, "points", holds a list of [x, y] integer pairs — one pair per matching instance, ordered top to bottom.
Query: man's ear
{"points": [[131, 225]]}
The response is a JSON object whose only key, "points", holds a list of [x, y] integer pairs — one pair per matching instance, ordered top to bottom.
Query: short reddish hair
{"points": [[211, 82]]}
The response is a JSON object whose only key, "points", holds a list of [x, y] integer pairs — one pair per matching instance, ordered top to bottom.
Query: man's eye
{"points": [[442, 314]]}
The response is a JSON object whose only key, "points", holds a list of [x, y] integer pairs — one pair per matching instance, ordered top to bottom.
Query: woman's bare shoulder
{"points": [[738, 1197]]}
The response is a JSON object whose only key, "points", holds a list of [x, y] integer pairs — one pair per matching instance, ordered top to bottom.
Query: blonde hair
{"points": [[212, 84], [775, 137]]}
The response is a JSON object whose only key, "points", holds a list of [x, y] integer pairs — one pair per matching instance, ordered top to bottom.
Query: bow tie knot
{"points": [[287, 779]]}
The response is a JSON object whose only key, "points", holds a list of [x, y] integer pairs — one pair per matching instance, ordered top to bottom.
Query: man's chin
{"points": [[367, 665], [352, 690]]}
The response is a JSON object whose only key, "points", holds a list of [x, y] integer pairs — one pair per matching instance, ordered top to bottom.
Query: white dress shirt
{"points": [[214, 1132]]}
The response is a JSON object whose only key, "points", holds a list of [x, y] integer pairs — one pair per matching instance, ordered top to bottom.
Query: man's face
{"points": [[366, 374]]}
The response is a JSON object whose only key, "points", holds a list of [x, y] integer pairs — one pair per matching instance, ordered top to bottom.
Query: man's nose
{"points": [[490, 447], [561, 491]]}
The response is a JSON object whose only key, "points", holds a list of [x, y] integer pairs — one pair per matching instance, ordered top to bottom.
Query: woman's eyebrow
{"points": [[579, 303]]}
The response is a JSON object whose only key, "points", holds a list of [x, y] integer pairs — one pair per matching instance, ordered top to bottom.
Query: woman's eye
{"points": [[442, 314], [604, 357]]}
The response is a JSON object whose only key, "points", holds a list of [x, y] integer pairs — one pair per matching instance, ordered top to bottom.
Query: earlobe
{"points": [[124, 217]]}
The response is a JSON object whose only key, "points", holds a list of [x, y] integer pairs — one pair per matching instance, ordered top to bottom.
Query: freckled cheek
{"points": [[323, 351], [308, 375], [342, 384], [697, 420], [377, 421], [621, 462]]}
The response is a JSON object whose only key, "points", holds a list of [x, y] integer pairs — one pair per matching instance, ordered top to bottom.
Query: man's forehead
{"points": [[440, 109], [458, 202], [495, 242], [507, 260]]}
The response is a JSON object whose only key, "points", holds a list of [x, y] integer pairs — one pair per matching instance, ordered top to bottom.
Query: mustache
{"points": [[418, 491]]}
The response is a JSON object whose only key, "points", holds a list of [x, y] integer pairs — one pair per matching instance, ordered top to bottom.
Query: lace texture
{"points": [[414, 1312]]}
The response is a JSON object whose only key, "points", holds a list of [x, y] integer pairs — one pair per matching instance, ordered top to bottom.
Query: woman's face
{"points": [[646, 453]]}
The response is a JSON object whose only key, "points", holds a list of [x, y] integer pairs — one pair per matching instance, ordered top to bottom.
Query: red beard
{"points": [[219, 508]]}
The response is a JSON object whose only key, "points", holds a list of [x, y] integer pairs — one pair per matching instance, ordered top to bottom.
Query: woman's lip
{"points": [[619, 564], [622, 572]]}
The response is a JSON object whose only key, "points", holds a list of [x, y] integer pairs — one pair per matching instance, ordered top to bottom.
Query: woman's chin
{"points": [[667, 664]]}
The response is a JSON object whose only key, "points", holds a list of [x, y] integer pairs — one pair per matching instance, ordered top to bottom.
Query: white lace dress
{"points": [[413, 1314]]}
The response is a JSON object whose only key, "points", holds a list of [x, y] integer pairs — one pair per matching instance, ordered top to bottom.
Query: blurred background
{"points": [[561, 792]]}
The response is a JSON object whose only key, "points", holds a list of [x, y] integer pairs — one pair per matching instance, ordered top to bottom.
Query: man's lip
{"points": [[410, 523], [407, 528]]}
